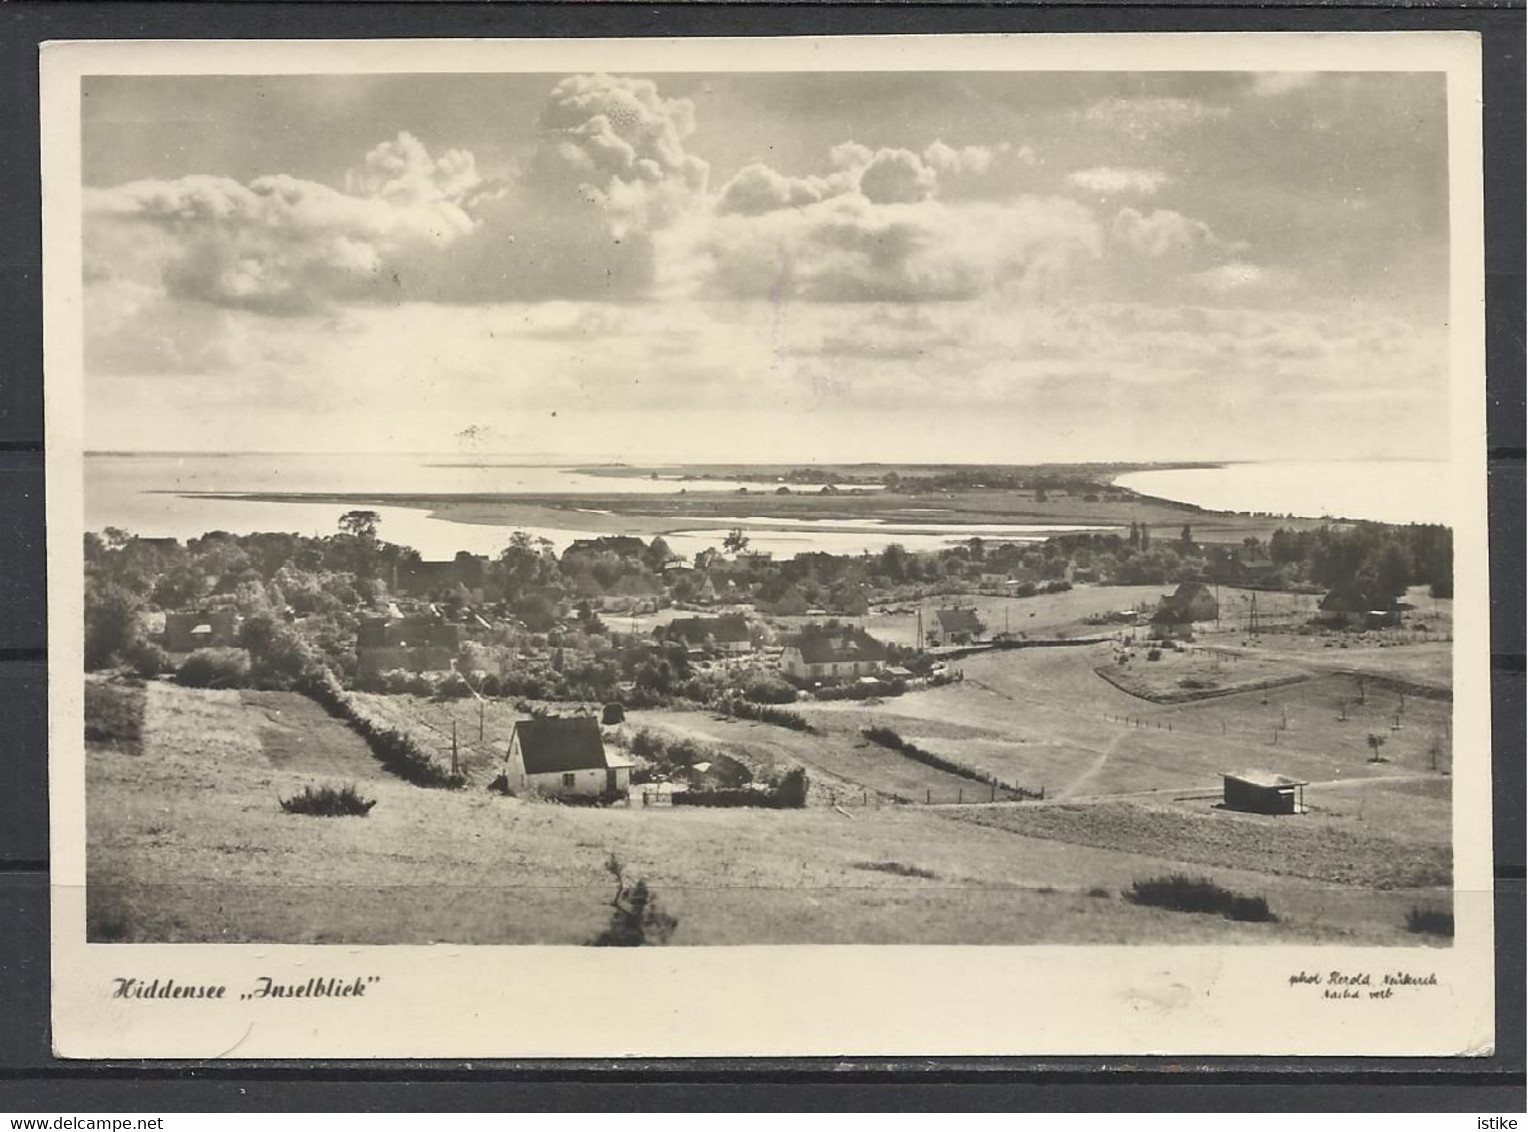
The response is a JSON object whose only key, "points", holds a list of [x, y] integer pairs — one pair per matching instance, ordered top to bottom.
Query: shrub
{"points": [[148, 660], [214, 668], [882, 687], [766, 689], [741, 708], [612, 714], [886, 737], [398, 753], [790, 790], [786, 793], [327, 802], [896, 868], [1098, 892], [1182, 893], [1253, 909], [635, 920], [1431, 921]]}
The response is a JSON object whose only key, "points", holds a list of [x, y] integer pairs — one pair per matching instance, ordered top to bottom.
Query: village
{"points": [[1116, 697]]}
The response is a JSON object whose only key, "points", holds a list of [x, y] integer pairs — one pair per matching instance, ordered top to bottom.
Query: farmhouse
{"points": [[469, 572], [1194, 601], [1349, 607], [1169, 623], [955, 626], [201, 629], [724, 634], [833, 655], [563, 756], [1262, 792]]}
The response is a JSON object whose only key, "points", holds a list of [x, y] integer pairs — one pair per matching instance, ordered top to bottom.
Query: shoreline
{"points": [[651, 515]]}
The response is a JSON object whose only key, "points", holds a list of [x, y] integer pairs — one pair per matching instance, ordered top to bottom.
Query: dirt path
{"points": [[298, 735]]}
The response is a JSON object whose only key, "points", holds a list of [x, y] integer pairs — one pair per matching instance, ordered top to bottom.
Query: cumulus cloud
{"points": [[622, 144], [948, 159], [609, 170], [896, 176], [1112, 180], [758, 189], [1161, 232], [279, 244], [852, 248]]}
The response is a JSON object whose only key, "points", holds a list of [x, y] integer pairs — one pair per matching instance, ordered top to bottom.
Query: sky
{"points": [[833, 267]]}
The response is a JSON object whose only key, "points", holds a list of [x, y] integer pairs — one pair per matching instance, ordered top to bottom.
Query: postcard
{"points": [[875, 546]]}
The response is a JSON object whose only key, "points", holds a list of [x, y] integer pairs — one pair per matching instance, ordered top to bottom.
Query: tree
{"points": [[361, 524], [1187, 537], [736, 541], [658, 554], [526, 563], [111, 623], [279, 656], [1375, 743]]}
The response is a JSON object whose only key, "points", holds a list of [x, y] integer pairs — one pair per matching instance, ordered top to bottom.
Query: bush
{"points": [[148, 660], [214, 668], [765, 689], [857, 691], [740, 708], [612, 714], [886, 737], [397, 752], [786, 793], [327, 802], [895, 868], [1182, 893], [635, 920], [1430, 921]]}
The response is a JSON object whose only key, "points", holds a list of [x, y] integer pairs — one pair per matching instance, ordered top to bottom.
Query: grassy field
{"points": [[1045, 717], [187, 839]]}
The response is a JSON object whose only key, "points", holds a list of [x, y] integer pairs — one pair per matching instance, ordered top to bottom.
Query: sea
{"points": [[1384, 491], [161, 494]]}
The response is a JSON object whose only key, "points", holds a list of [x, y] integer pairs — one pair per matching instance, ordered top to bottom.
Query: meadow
{"points": [[188, 840]]}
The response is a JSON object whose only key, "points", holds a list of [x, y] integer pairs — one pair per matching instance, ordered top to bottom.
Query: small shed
{"points": [[1263, 792]]}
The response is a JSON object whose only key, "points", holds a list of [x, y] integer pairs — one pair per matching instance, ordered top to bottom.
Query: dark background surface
{"points": [[32, 1080]]}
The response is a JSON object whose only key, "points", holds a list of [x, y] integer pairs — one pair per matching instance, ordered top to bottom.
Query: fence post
{"points": [[994, 792], [960, 796], [928, 797]]}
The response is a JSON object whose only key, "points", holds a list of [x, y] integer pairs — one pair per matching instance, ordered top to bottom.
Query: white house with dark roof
{"points": [[954, 626], [832, 656], [563, 755]]}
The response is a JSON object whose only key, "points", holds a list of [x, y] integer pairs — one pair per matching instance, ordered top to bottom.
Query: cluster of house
{"points": [[1347, 606], [415, 637]]}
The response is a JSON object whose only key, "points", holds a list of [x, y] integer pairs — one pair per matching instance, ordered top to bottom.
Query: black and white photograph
{"points": [[830, 503]]}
